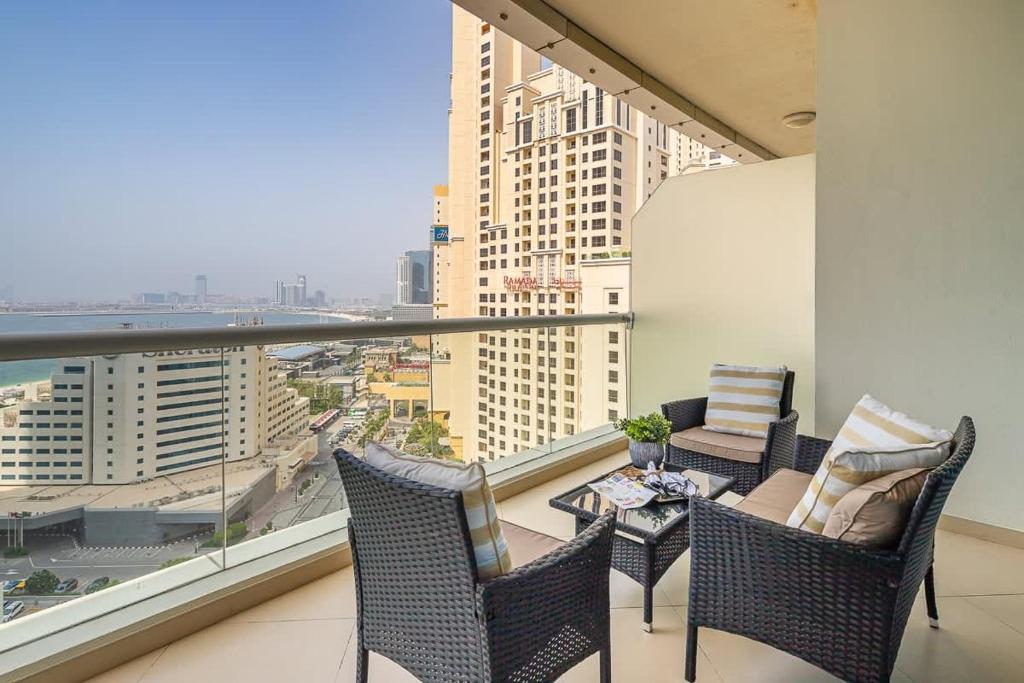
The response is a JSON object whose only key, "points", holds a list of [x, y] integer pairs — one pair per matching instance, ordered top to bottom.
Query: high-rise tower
{"points": [[545, 173], [200, 289]]}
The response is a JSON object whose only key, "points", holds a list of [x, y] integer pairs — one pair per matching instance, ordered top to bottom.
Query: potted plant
{"points": [[648, 435]]}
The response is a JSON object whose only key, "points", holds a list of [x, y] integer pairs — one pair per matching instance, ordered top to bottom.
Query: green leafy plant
{"points": [[322, 397], [374, 428], [653, 428], [425, 438], [236, 532], [16, 551], [42, 582]]}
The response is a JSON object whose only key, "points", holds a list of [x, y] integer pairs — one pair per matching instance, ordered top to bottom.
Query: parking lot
{"points": [[121, 554]]}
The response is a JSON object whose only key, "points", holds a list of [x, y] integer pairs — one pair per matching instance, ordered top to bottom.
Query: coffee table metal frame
{"points": [[648, 554]]}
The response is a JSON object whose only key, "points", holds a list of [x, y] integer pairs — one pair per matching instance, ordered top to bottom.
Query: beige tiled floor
{"points": [[307, 635]]}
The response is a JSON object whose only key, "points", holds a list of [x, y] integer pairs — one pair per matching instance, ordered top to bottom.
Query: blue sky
{"points": [[145, 141]]}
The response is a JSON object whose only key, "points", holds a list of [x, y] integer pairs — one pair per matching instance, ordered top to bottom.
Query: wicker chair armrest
{"points": [[685, 413], [780, 446], [810, 451], [766, 580], [527, 610]]}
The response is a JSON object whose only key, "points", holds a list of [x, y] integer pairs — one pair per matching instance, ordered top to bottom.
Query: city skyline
{"points": [[231, 126]]}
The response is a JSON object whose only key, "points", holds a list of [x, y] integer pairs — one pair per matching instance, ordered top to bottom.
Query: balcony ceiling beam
{"points": [[554, 30]]}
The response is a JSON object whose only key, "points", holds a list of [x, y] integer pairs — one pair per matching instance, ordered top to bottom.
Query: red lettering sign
{"points": [[527, 282]]}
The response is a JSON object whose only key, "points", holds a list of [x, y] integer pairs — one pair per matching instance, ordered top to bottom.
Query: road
{"points": [[287, 508]]}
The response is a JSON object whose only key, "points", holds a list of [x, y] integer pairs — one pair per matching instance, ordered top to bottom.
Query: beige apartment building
{"points": [[545, 173], [124, 418]]}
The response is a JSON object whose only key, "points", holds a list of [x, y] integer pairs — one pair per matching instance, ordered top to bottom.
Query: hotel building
{"points": [[545, 173], [125, 418]]}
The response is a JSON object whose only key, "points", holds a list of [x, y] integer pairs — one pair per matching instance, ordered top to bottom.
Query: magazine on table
{"points": [[625, 492], [629, 492]]}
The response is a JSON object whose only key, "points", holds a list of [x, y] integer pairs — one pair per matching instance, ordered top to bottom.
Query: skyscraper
{"points": [[545, 173], [419, 276], [403, 281], [200, 289], [300, 294]]}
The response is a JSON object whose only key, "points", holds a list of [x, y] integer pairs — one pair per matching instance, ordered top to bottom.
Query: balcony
{"points": [[881, 264], [295, 586], [978, 641]]}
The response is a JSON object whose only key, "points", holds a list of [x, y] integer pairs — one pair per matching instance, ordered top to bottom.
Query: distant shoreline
{"points": [[228, 311], [88, 313], [15, 373]]}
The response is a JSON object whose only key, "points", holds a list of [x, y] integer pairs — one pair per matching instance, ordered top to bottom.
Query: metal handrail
{"points": [[36, 346]]}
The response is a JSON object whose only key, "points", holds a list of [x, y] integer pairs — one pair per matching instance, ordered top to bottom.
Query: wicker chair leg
{"points": [[929, 596], [691, 653], [362, 663], [606, 664]]}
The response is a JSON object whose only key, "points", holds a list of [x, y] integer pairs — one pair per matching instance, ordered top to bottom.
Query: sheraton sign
{"points": [[528, 282], [192, 352]]}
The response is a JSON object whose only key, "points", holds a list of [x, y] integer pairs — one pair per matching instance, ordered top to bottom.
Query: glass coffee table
{"points": [[648, 539]]}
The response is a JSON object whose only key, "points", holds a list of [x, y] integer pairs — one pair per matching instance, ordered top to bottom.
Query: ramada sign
{"points": [[527, 282]]}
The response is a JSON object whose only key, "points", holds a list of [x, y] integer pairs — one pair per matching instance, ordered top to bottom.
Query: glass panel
{"points": [[326, 396], [511, 396], [316, 401], [225, 453], [113, 467]]}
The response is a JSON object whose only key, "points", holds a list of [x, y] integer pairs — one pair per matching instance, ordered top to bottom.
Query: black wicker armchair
{"points": [[747, 460], [421, 605], [839, 606]]}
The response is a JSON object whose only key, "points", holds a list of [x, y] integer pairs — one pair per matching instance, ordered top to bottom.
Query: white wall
{"points": [[920, 226], [723, 271]]}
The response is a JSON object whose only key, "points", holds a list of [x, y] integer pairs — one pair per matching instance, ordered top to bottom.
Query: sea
{"points": [[19, 372]]}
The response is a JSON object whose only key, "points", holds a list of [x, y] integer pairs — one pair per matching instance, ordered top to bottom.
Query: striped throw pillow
{"points": [[743, 400], [874, 441], [489, 546]]}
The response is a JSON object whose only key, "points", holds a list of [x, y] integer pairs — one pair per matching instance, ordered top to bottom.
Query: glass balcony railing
{"points": [[124, 454]]}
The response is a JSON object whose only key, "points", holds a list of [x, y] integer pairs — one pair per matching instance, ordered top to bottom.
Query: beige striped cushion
{"points": [[743, 400], [875, 440], [489, 546]]}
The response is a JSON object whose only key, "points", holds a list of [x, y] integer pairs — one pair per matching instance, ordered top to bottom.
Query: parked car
{"points": [[10, 584], [97, 584], [67, 585], [12, 608]]}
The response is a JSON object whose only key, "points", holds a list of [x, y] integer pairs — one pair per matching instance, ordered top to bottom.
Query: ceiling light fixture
{"points": [[799, 119]]}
